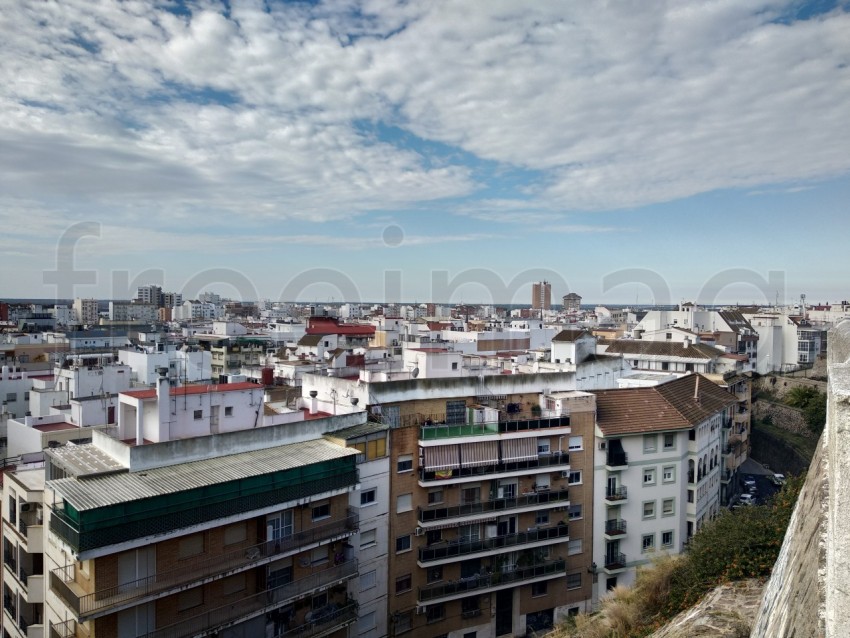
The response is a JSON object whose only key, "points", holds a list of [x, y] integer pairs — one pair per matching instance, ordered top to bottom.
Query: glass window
{"points": [[228, 410], [455, 412], [198, 414], [670, 441], [576, 443], [650, 443], [543, 446], [405, 463], [668, 474], [649, 476], [575, 477], [435, 496], [367, 497], [404, 503], [668, 507], [649, 509], [322, 511], [575, 512], [542, 518], [235, 533], [368, 538], [667, 539], [647, 542], [402, 543], [190, 546], [574, 547], [435, 574], [368, 580], [574, 581], [403, 584], [538, 589], [190, 598], [435, 612], [366, 622], [403, 622]]}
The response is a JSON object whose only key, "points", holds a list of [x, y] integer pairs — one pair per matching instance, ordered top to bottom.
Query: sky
{"points": [[453, 151]]}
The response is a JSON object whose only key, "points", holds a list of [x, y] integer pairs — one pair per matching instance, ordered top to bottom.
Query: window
{"points": [[454, 365], [27, 394], [11, 396], [228, 410], [455, 413], [198, 414], [670, 441], [576, 443], [650, 443], [543, 446], [372, 447], [404, 463], [668, 474], [649, 476], [575, 477], [470, 495], [435, 496], [690, 496], [368, 497], [404, 503], [668, 507], [649, 509], [322, 511], [575, 512], [542, 518], [280, 525], [235, 533], [434, 536], [368, 538], [667, 539], [647, 542], [402, 543], [190, 546], [574, 547], [319, 556], [435, 574], [368, 580], [574, 581], [233, 584], [403, 584], [538, 589], [190, 598], [435, 612], [403, 622]]}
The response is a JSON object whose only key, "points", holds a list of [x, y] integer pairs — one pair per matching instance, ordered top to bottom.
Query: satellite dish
{"points": [[414, 373]]}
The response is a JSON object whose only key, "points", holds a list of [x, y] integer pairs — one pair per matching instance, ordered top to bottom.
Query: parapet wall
{"points": [[809, 590]]}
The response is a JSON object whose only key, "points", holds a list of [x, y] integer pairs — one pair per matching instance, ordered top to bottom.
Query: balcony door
{"points": [[612, 485], [279, 526], [135, 566], [136, 621]]}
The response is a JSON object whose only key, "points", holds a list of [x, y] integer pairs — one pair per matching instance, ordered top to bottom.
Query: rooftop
{"points": [[194, 389]]}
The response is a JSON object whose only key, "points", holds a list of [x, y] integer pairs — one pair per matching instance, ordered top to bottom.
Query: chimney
{"points": [[687, 342], [314, 402]]}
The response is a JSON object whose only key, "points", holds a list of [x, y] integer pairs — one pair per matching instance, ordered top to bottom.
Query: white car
{"points": [[778, 479], [747, 499]]}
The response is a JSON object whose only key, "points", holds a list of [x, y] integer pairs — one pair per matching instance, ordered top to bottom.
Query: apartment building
{"points": [[541, 295], [658, 471], [23, 558]]}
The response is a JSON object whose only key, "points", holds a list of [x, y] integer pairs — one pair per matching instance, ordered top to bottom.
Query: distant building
{"points": [[149, 294], [541, 295], [572, 302], [85, 311]]}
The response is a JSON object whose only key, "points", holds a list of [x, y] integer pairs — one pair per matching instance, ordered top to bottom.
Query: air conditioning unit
{"points": [[603, 445], [565, 474], [25, 507], [419, 531]]}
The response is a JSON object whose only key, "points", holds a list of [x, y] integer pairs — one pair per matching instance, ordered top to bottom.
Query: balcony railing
{"points": [[436, 431], [616, 459], [552, 460], [616, 493], [427, 515], [614, 527], [464, 548], [615, 560], [483, 581], [269, 600], [101, 601], [328, 621], [65, 629]]}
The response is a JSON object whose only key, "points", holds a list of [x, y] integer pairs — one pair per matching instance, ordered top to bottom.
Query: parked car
{"points": [[778, 479], [749, 482], [747, 499]]}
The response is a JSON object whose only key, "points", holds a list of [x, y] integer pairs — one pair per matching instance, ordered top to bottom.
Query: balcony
{"points": [[439, 431], [616, 460], [553, 461], [725, 476], [616, 495], [486, 508], [615, 527], [462, 550], [615, 561], [483, 583], [104, 601], [329, 619], [67, 629]]}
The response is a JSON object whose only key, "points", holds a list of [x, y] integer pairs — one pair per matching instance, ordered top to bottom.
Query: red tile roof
{"points": [[194, 389]]}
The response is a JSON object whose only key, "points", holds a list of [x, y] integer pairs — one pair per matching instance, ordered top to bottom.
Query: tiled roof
{"points": [[570, 335], [311, 340], [664, 349], [193, 389], [669, 406]]}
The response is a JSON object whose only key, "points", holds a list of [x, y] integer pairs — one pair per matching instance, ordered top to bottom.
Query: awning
{"points": [[519, 450], [479, 453], [441, 457]]}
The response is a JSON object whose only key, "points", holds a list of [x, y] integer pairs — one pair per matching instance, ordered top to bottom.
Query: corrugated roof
{"points": [[669, 406], [358, 430], [113, 489]]}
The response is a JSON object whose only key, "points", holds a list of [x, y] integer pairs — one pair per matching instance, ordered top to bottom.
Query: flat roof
{"points": [[195, 389], [55, 427], [355, 431], [32, 480], [124, 487]]}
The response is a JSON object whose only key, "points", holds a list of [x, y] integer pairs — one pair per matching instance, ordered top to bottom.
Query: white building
{"points": [[85, 311], [185, 366], [657, 471]]}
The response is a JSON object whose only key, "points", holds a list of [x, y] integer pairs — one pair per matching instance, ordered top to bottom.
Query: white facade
{"points": [[85, 311], [184, 366]]}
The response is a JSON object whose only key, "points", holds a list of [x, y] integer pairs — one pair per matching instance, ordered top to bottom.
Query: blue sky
{"points": [[628, 152]]}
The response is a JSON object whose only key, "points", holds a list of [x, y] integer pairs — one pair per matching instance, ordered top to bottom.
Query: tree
{"points": [[800, 396], [815, 413]]}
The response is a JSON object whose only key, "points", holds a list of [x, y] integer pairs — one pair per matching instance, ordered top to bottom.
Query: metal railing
{"points": [[435, 431], [553, 460], [617, 493], [427, 515], [615, 526], [464, 548], [615, 560], [483, 581], [102, 600], [331, 621], [65, 629]]}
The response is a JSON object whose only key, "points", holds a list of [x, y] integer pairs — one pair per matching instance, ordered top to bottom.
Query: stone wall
{"points": [[779, 386], [780, 415], [776, 453]]}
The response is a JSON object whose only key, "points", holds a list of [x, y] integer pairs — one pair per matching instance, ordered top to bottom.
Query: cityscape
{"points": [[377, 319]]}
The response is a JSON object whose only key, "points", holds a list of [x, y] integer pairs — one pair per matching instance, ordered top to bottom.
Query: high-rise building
{"points": [[150, 294], [541, 295], [572, 302], [85, 311]]}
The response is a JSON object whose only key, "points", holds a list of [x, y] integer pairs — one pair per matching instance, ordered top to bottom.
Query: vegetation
{"points": [[813, 404], [804, 445], [735, 546]]}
